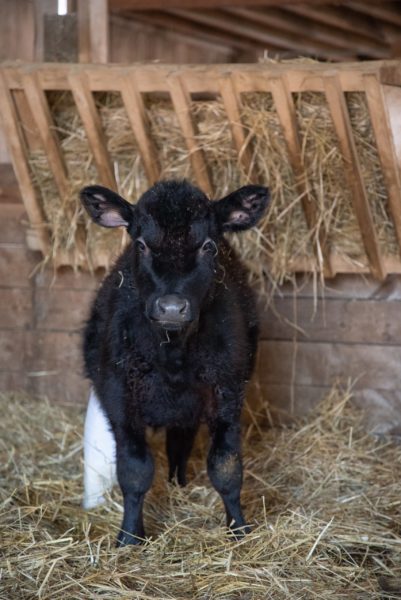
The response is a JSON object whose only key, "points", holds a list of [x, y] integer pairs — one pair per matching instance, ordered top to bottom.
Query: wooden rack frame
{"points": [[24, 85]]}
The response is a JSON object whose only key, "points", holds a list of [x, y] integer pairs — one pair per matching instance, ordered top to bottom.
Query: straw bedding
{"points": [[283, 236], [323, 497]]}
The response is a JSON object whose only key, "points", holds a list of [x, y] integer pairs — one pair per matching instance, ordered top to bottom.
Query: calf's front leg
{"points": [[224, 465], [135, 474]]}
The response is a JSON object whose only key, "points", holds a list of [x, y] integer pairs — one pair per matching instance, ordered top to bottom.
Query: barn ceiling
{"points": [[336, 31]]}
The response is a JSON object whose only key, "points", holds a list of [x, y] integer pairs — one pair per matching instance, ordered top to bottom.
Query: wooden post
{"points": [[93, 31]]}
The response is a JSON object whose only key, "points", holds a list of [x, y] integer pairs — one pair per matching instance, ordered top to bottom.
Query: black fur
{"points": [[148, 374]]}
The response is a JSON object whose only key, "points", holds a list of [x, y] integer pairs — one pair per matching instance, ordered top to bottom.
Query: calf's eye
{"points": [[141, 246], [209, 247]]}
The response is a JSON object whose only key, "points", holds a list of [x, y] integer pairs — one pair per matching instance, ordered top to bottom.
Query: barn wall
{"points": [[353, 332]]}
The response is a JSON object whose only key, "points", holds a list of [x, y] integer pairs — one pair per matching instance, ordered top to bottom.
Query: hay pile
{"points": [[283, 237], [323, 498]]}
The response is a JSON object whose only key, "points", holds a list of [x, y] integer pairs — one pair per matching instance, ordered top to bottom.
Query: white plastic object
{"points": [[99, 455]]}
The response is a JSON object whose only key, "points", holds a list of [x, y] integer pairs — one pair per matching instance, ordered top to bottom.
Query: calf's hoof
{"points": [[238, 532], [128, 539]]}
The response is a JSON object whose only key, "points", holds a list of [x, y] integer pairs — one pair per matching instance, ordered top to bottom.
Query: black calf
{"points": [[172, 336]]}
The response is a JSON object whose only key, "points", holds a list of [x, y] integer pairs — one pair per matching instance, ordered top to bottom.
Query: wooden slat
{"points": [[84, 40], [204, 78], [182, 105], [232, 106], [287, 116], [91, 120], [44, 122], [139, 122], [384, 141], [21, 166], [353, 174]]}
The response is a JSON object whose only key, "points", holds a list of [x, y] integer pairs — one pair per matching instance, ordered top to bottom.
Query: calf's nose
{"points": [[171, 309]]}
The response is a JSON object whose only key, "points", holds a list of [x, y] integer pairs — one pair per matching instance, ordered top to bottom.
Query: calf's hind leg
{"points": [[179, 443], [224, 467], [135, 473]]}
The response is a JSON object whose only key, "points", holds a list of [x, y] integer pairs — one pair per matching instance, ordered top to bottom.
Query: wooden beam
{"points": [[196, 4], [383, 11], [339, 17], [309, 29], [93, 31], [194, 31], [265, 34], [84, 41], [232, 103], [182, 105], [136, 112], [286, 113], [93, 127], [385, 147], [19, 157], [353, 174]]}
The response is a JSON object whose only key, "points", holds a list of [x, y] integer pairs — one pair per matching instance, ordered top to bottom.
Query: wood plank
{"points": [[196, 4], [382, 11], [264, 34], [330, 36], [224, 42], [203, 78], [232, 102], [182, 105], [86, 107], [136, 113], [286, 113], [44, 122], [385, 146], [21, 166], [353, 174], [52, 305], [16, 309], [336, 320], [317, 363]]}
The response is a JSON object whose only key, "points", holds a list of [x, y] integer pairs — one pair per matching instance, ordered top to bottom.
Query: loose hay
{"points": [[283, 237], [323, 497]]}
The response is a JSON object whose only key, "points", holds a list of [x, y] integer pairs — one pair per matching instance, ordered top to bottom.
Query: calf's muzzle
{"points": [[171, 311]]}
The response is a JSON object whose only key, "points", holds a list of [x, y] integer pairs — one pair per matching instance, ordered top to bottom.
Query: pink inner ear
{"points": [[237, 217], [112, 218]]}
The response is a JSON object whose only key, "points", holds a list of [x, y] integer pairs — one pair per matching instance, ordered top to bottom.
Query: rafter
{"points": [[195, 4], [379, 10], [339, 17], [187, 27], [312, 30], [268, 36]]}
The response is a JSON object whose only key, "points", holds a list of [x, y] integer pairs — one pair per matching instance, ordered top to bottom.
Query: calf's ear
{"points": [[105, 207], [242, 209]]}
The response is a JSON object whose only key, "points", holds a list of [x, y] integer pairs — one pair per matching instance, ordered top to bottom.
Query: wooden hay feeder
{"points": [[32, 126]]}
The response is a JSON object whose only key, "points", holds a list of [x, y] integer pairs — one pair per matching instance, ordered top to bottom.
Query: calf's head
{"points": [[176, 232]]}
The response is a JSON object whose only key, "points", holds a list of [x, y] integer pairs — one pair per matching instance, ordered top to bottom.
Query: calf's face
{"points": [[176, 233]]}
